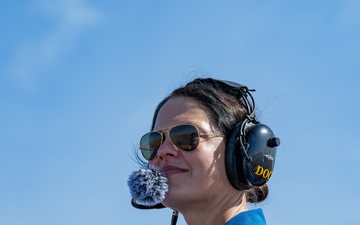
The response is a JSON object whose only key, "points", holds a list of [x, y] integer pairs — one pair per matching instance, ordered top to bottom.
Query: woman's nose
{"points": [[167, 149]]}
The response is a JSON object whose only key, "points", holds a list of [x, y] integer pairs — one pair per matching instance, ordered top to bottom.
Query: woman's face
{"points": [[194, 177]]}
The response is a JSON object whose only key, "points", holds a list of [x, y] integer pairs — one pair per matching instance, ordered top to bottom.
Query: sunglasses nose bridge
{"points": [[167, 147]]}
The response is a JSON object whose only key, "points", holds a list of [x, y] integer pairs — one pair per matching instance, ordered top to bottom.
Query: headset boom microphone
{"points": [[148, 186], [148, 189]]}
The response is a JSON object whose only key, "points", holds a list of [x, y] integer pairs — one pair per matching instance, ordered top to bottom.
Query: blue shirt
{"points": [[250, 217]]}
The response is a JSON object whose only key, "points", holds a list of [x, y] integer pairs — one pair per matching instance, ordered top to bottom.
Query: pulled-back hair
{"points": [[224, 109]]}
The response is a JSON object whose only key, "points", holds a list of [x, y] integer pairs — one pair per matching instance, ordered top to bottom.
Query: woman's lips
{"points": [[170, 170]]}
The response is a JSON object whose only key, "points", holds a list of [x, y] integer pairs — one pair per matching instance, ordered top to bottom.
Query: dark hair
{"points": [[224, 109]]}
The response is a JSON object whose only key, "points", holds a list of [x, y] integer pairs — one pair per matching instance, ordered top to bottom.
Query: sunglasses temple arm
{"points": [[174, 217]]}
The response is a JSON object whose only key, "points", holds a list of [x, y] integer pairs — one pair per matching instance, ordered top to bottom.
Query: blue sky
{"points": [[79, 81]]}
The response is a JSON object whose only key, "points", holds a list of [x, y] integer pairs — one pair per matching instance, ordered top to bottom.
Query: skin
{"points": [[198, 185]]}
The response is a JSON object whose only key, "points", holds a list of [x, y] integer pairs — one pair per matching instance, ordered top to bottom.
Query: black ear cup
{"points": [[261, 143], [250, 155], [234, 161]]}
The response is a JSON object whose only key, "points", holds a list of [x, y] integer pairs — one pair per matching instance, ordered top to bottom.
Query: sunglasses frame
{"points": [[163, 137]]}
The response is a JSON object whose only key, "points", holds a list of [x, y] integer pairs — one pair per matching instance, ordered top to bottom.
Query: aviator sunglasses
{"points": [[185, 137]]}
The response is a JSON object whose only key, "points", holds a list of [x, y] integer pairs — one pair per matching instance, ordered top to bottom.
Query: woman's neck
{"points": [[215, 212]]}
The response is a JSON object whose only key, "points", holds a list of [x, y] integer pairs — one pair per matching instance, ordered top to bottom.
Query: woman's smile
{"points": [[171, 170]]}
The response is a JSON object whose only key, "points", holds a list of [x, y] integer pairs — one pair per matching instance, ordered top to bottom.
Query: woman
{"points": [[192, 130]]}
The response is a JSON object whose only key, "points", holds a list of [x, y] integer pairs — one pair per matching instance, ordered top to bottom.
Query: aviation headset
{"points": [[251, 149]]}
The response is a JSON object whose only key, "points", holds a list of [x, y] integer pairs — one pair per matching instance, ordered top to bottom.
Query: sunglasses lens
{"points": [[185, 137], [149, 144]]}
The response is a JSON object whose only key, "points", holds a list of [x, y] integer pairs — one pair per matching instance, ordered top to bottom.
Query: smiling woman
{"points": [[206, 141]]}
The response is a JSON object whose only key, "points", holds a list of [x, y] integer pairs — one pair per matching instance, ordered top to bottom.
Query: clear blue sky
{"points": [[79, 81]]}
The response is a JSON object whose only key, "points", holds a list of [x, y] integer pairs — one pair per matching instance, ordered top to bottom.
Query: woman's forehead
{"points": [[181, 110]]}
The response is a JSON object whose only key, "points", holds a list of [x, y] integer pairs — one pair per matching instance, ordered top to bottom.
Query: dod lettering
{"points": [[265, 173]]}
